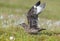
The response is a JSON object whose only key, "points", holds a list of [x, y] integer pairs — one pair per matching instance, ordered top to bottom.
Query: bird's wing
{"points": [[38, 3], [41, 8], [32, 17]]}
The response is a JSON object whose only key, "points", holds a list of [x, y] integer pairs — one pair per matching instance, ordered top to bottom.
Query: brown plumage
{"points": [[32, 17], [31, 30]]}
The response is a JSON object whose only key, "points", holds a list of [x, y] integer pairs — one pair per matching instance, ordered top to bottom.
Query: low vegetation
{"points": [[14, 32]]}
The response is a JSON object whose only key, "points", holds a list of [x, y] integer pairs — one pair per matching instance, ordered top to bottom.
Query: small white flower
{"points": [[11, 16], [1, 17], [57, 23], [12, 38]]}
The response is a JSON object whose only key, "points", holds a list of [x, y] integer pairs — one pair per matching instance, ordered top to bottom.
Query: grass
{"points": [[20, 7]]}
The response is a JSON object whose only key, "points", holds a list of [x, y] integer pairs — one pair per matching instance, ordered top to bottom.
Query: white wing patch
{"points": [[39, 9]]}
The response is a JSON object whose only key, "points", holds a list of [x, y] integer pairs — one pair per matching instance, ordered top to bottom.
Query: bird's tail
{"points": [[41, 29]]}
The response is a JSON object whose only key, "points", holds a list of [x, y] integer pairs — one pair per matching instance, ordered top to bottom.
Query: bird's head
{"points": [[24, 25]]}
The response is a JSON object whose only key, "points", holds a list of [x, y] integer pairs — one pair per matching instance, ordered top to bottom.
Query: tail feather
{"points": [[41, 29]]}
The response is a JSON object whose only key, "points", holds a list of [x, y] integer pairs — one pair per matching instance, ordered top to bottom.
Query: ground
{"points": [[17, 9]]}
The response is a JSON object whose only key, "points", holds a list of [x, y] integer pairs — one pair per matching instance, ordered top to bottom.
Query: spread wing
{"points": [[32, 15]]}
